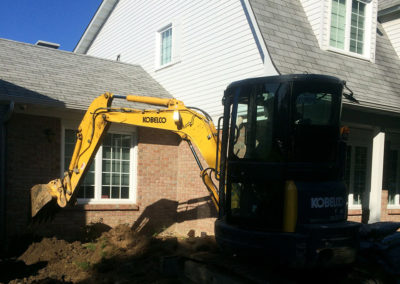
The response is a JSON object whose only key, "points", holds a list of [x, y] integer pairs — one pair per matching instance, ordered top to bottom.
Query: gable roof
{"points": [[95, 25], [294, 48], [45, 76]]}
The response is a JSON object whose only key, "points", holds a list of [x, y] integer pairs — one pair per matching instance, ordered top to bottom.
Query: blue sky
{"points": [[59, 21]]}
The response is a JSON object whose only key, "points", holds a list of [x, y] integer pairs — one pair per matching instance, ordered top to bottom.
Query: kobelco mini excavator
{"points": [[278, 162]]}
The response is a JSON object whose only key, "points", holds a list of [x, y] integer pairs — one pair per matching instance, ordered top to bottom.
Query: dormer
{"points": [[347, 27]]}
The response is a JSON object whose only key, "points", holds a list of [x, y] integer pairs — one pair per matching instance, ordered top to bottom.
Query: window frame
{"points": [[175, 27], [161, 47], [366, 55], [359, 142], [133, 156], [396, 204]]}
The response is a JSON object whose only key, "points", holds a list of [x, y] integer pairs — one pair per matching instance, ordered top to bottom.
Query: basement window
{"points": [[112, 175]]}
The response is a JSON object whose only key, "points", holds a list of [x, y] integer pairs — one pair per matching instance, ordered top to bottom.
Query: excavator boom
{"points": [[174, 116]]}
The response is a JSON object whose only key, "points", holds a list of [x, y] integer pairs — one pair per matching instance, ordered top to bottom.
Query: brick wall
{"points": [[33, 157], [170, 194], [156, 206], [196, 211], [388, 214], [355, 215]]}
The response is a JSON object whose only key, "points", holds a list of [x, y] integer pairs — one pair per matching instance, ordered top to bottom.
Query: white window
{"points": [[350, 26], [165, 45], [168, 45], [116, 166], [391, 170], [356, 173], [112, 176], [391, 176], [86, 189]]}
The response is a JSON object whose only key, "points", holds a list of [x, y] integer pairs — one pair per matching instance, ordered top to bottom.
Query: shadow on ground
{"points": [[13, 268]]}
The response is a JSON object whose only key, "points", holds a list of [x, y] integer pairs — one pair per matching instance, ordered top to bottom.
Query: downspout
{"points": [[5, 115]]}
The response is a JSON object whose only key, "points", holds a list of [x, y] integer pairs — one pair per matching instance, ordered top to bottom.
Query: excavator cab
{"points": [[283, 159]]}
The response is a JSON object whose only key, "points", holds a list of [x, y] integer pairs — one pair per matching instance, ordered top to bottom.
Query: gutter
{"points": [[5, 115]]}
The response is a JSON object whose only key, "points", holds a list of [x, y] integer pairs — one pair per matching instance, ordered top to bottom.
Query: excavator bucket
{"points": [[40, 197]]}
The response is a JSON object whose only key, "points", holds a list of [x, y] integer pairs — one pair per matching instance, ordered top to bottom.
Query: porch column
{"points": [[378, 149]]}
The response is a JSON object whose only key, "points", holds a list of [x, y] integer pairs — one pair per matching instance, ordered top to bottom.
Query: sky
{"points": [[58, 21]]}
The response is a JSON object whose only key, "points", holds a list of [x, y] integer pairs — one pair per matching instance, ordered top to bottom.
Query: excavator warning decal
{"points": [[151, 119]]}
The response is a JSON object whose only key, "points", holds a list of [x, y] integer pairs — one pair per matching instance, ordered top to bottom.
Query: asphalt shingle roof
{"points": [[294, 48], [45, 76]]}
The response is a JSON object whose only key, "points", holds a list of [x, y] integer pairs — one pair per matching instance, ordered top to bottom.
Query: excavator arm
{"points": [[173, 115]]}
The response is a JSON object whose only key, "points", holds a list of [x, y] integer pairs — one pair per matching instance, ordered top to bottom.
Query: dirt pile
{"points": [[117, 256]]}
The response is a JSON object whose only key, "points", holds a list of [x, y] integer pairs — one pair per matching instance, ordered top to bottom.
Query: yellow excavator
{"points": [[174, 116], [277, 156]]}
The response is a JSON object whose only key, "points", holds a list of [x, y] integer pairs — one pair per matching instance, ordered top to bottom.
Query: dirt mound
{"points": [[118, 255]]}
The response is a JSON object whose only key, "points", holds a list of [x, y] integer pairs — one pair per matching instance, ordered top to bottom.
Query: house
{"points": [[196, 48], [44, 93]]}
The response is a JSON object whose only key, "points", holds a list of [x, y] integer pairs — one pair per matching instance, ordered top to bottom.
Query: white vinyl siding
{"points": [[314, 10], [392, 29], [215, 46]]}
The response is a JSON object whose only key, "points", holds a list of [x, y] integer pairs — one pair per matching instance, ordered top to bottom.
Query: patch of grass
{"points": [[104, 243], [90, 246], [84, 265]]}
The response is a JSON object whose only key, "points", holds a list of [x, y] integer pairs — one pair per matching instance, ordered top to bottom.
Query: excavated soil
{"points": [[120, 255], [117, 256]]}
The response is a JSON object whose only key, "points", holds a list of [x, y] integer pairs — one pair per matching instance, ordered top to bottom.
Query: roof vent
{"points": [[47, 44]]}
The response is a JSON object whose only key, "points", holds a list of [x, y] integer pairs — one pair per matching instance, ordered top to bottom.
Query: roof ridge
{"points": [[66, 51]]}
